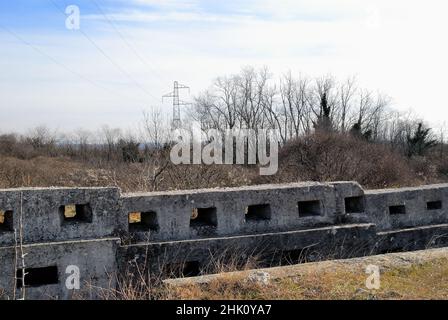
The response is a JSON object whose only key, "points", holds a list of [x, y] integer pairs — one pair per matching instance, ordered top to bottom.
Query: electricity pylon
{"points": [[177, 122]]}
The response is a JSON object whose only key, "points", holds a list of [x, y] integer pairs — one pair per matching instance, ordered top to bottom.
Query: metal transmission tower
{"points": [[176, 124]]}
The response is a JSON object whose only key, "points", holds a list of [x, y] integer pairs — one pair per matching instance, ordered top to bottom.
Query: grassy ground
{"points": [[428, 280]]}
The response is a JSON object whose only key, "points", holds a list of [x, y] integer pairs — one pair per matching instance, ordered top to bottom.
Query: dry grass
{"points": [[316, 157], [47, 172], [130, 177], [425, 281]]}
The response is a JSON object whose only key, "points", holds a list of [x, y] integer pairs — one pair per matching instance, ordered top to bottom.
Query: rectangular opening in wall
{"points": [[354, 205], [434, 205], [309, 208], [394, 210], [258, 212], [76, 213], [201, 217], [143, 221], [6, 222], [292, 257], [183, 270], [37, 277]]}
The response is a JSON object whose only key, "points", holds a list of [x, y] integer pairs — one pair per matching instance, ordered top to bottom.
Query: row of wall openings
{"points": [[401, 209], [258, 212], [262, 212], [76, 213], [200, 217], [207, 217], [6, 221], [143, 221], [147, 221], [37, 277]]}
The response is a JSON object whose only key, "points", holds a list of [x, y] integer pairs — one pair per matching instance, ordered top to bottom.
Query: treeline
{"points": [[253, 99], [299, 106], [329, 130], [107, 144]]}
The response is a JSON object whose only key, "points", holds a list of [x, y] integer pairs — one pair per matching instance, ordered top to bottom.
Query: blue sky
{"points": [[397, 47]]}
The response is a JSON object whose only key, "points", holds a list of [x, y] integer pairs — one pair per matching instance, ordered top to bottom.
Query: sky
{"points": [[127, 53]]}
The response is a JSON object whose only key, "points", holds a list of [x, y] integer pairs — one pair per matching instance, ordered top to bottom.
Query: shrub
{"points": [[327, 156]]}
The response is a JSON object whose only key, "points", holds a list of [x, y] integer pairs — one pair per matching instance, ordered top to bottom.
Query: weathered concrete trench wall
{"points": [[106, 234]]}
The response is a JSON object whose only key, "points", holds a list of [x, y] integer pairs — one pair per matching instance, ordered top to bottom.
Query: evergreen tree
{"points": [[324, 121], [357, 132], [420, 141]]}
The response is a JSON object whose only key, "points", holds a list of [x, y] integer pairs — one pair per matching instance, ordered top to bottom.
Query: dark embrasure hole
{"points": [[354, 205], [434, 205], [309, 208], [394, 210], [258, 212], [76, 213], [202, 217], [6, 221], [143, 221], [36, 277]]}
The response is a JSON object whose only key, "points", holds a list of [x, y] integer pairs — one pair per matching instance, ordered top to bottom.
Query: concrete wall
{"points": [[409, 207], [274, 208], [43, 219], [278, 223], [94, 258]]}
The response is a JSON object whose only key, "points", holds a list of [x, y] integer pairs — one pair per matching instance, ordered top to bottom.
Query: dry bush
{"points": [[316, 157], [340, 157], [434, 163], [426, 169], [47, 172], [149, 175], [208, 176]]}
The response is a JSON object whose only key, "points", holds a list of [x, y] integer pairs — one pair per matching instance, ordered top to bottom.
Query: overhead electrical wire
{"points": [[130, 45], [109, 58], [60, 64]]}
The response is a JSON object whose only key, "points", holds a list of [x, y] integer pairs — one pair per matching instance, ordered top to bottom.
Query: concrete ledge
{"points": [[267, 248], [384, 261]]}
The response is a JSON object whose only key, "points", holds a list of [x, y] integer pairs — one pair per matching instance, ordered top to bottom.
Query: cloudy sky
{"points": [[127, 53]]}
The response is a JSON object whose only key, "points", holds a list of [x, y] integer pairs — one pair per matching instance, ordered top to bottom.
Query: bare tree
{"points": [[346, 93], [325, 102], [155, 127], [110, 137], [42, 139], [82, 141], [156, 158]]}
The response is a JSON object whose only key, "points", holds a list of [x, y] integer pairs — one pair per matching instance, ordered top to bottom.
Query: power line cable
{"points": [[129, 44], [109, 58], [60, 64]]}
